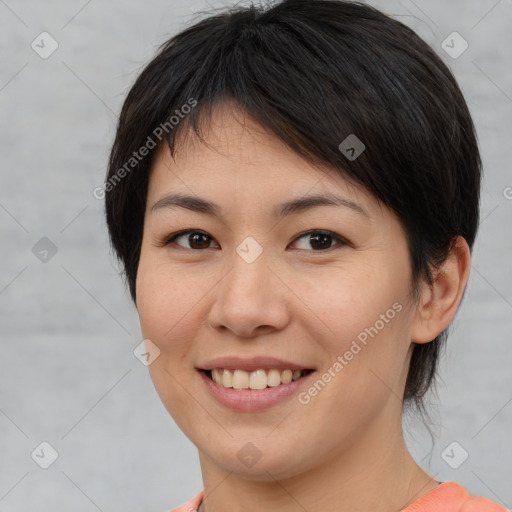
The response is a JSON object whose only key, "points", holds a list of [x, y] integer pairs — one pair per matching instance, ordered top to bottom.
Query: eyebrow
{"points": [[301, 204]]}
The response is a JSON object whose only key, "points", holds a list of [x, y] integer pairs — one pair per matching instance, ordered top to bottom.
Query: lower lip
{"points": [[250, 400]]}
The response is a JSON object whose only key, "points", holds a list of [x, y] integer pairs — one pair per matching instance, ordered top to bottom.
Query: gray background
{"points": [[68, 375]]}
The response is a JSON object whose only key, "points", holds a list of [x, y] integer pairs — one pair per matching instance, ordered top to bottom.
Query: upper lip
{"points": [[251, 364]]}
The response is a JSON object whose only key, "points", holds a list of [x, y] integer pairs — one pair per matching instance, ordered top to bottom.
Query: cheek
{"points": [[348, 301], [166, 305], [166, 313], [365, 327]]}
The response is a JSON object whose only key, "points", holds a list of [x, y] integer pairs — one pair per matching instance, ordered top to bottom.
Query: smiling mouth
{"points": [[255, 380]]}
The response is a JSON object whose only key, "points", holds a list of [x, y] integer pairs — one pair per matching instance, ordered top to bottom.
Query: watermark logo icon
{"points": [[44, 45], [454, 45], [352, 147], [44, 250], [249, 250], [146, 352], [249, 454], [44, 455], [454, 455]]}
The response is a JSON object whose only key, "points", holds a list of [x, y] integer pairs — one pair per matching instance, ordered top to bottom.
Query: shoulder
{"points": [[452, 497], [191, 505]]}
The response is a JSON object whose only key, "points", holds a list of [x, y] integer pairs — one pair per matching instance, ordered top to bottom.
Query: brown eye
{"points": [[195, 239], [199, 240], [320, 240]]}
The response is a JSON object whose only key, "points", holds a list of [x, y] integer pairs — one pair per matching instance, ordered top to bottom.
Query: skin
{"points": [[344, 449]]}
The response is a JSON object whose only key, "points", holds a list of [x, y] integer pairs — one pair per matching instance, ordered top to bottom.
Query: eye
{"points": [[196, 239], [320, 239]]}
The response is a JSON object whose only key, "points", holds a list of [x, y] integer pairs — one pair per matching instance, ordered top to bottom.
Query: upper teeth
{"points": [[258, 379]]}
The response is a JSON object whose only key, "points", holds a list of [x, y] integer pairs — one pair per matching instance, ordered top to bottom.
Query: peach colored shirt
{"points": [[447, 497]]}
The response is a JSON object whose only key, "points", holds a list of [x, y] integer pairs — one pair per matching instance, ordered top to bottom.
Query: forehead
{"points": [[238, 158]]}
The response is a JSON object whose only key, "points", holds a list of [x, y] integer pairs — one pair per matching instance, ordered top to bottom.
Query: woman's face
{"points": [[256, 283]]}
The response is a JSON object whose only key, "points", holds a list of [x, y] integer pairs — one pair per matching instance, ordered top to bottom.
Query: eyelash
{"points": [[171, 238]]}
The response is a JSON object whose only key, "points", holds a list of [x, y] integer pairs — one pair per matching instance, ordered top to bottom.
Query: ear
{"points": [[439, 302]]}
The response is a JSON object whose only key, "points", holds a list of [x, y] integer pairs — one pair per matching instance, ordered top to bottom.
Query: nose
{"points": [[251, 300]]}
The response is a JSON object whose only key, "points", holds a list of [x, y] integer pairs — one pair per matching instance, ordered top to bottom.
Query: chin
{"points": [[260, 461]]}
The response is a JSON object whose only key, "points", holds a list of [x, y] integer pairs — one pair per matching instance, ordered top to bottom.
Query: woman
{"points": [[293, 194]]}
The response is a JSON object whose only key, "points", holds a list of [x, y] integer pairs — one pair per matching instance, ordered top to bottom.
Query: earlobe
{"points": [[440, 300]]}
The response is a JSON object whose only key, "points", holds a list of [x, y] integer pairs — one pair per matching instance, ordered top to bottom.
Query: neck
{"points": [[376, 473]]}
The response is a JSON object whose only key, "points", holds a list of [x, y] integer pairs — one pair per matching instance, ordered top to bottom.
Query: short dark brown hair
{"points": [[314, 72]]}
